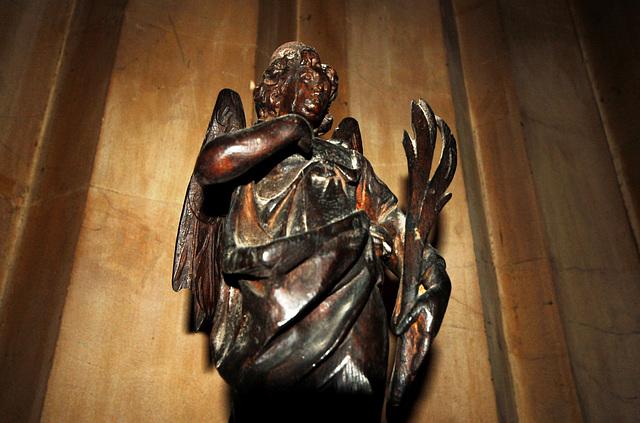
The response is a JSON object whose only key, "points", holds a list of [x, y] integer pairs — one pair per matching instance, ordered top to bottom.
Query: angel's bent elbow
{"points": [[210, 169], [204, 176]]}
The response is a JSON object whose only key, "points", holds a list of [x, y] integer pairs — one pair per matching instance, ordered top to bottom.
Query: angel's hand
{"points": [[298, 130], [382, 242], [432, 297]]}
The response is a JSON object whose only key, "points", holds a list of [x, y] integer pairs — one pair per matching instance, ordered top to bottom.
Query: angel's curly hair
{"points": [[267, 95]]}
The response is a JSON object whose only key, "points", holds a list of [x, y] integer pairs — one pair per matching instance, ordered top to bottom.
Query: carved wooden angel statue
{"points": [[282, 240]]}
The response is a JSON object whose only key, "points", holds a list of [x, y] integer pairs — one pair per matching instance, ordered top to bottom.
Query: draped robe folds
{"points": [[302, 251]]}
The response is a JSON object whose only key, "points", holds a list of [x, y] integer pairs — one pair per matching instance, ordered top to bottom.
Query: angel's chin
{"points": [[312, 114]]}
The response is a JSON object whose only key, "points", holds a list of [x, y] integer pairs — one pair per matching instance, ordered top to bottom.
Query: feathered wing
{"points": [[348, 131], [196, 260]]}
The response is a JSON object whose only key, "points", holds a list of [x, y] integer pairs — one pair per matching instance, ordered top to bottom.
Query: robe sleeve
{"points": [[388, 222]]}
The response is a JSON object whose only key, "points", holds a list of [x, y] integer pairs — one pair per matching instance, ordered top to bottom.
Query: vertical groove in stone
{"points": [[614, 78], [13, 240], [42, 258], [500, 367]]}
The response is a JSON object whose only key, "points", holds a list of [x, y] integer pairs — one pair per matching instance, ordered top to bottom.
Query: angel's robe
{"points": [[304, 246]]}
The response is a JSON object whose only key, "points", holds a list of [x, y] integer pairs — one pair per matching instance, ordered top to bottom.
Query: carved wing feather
{"points": [[348, 131], [195, 264]]}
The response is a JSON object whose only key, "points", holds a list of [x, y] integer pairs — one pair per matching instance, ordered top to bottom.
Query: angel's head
{"points": [[297, 82]]}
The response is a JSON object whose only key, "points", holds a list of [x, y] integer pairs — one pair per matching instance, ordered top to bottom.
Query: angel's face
{"points": [[297, 82], [308, 89]]}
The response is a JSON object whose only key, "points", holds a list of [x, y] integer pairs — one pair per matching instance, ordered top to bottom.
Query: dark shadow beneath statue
{"points": [[306, 407]]}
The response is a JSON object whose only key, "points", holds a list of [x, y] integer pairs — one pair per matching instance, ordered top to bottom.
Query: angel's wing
{"points": [[348, 131], [196, 261]]}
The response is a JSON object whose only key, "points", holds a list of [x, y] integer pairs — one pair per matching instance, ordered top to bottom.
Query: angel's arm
{"points": [[232, 154], [377, 200], [388, 222], [388, 233]]}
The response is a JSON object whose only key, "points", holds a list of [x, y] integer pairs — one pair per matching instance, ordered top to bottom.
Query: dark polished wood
{"points": [[282, 240]]}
